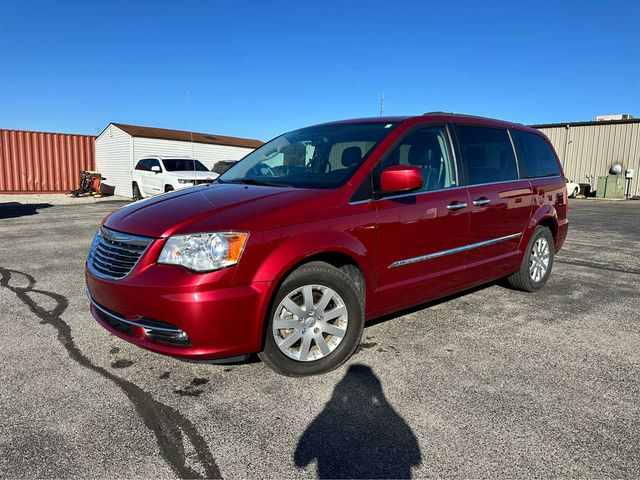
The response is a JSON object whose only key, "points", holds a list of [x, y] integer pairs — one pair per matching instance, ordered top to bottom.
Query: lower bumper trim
{"points": [[158, 331]]}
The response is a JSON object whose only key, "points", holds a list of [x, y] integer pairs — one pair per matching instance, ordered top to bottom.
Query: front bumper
{"points": [[175, 312]]}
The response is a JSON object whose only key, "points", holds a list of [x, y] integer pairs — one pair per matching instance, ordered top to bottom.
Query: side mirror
{"points": [[156, 169], [400, 178]]}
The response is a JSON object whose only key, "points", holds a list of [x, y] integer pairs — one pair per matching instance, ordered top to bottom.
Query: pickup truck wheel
{"points": [[136, 192], [537, 262], [315, 323]]}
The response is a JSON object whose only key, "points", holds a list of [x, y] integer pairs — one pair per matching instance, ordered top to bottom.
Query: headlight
{"points": [[184, 180], [204, 252]]}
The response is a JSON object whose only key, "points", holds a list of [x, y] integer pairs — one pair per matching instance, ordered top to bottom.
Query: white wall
{"points": [[117, 153], [206, 153], [113, 159]]}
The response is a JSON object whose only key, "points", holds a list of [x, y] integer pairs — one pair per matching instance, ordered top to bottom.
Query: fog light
{"points": [[174, 338]]}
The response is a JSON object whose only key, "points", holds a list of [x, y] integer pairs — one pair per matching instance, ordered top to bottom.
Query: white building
{"points": [[119, 147]]}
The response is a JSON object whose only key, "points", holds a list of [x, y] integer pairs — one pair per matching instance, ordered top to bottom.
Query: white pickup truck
{"points": [[156, 174]]}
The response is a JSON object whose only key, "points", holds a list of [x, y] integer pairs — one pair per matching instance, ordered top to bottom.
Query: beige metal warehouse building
{"points": [[588, 149]]}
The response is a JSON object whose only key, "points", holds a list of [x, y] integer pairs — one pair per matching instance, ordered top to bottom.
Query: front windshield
{"points": [[325, 156], [183, 165]]}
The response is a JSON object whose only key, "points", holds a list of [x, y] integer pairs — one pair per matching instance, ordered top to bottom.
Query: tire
{"points": [[168, 188], [136, 192], [575, 193], [532, 275], [329, 342]]}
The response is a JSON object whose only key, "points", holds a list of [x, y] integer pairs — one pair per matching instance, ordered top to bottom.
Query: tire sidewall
{"points": [[332, 278]]}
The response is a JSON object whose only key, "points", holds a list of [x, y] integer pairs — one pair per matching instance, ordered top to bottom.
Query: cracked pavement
{"points": [[491, 382]]}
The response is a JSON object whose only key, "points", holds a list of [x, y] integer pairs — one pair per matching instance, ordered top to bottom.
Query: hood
{"points": [[191, 174], [217, 207]]}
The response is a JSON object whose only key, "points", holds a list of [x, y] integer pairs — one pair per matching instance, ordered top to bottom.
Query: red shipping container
{"points": [[37, 162]]}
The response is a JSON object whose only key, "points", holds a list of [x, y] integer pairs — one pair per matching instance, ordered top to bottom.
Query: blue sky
{"points": [[256, 69]]}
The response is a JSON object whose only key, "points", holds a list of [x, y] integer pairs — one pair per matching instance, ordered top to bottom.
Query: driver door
{"points": [[154, 183], [419, 233]]}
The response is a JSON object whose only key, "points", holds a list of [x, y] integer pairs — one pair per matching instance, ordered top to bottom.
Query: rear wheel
{"points": [[136, 192], [537, 262], [315, 323]]}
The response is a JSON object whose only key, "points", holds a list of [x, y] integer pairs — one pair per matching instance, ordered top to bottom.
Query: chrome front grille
{"points": [[113, 254]]}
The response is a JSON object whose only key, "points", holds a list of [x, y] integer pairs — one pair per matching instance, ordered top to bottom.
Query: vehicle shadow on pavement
{"points": [[16, 209], [501, 283], [359, 434]]}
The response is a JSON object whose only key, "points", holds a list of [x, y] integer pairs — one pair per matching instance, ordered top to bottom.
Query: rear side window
{"points": [[487, 155], [535, 156]]}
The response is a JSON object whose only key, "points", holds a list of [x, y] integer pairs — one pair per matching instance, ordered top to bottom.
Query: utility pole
{"points": [[382, 104]]}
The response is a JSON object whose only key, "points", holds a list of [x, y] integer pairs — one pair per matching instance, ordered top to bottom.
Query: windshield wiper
{"points": [[255, 181]]}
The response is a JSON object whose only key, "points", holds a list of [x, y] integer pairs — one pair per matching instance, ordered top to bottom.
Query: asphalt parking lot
{"points": [[491, 383]]}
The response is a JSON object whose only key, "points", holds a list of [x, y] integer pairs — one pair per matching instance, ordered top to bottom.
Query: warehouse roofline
{"points": [[584, 124], [184, 136]]}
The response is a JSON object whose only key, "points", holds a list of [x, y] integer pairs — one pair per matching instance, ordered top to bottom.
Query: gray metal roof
{"points": [[584, 124]]}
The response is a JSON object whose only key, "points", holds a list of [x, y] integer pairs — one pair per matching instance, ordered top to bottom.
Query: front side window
{"points": [[426, 149], [487, 155], [324, 156], [535, 156], [152, 162], [183, 165]]}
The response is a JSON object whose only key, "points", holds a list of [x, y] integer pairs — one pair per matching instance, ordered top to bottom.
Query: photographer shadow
{"points": [[359, 434]]}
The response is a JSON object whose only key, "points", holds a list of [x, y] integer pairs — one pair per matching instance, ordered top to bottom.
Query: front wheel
{"points": [[136, 193], [537, 262], [315, 323]]}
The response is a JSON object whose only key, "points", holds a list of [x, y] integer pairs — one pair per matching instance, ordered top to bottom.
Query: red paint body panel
{"points": [[550, 204], [507, 213], [413, 226], [224, 312], [218, 316]]}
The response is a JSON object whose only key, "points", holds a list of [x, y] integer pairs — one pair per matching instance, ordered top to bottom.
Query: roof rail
{"points": [[466, 115]]}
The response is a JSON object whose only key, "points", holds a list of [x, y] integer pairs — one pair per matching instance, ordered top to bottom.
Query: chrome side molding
{"points": [[442, 253]]}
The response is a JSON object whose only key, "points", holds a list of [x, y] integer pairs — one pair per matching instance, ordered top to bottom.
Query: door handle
{"points": [[481, 201], [457, 206]]}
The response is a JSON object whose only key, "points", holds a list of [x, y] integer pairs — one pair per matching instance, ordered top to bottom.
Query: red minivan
{"points": [[292, 249]]}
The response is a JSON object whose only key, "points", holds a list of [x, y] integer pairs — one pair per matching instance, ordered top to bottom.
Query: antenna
{"points": [[382, 104], [189, 123], [193, 153]]}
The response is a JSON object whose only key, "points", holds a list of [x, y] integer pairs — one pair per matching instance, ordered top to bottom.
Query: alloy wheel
{"points": [[539, 260], [310, 323]]}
